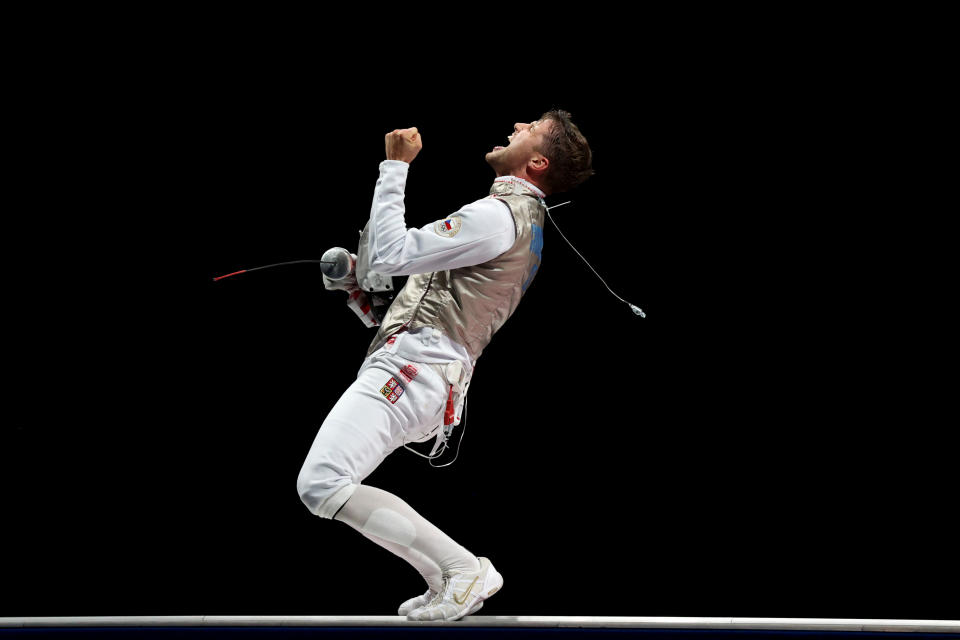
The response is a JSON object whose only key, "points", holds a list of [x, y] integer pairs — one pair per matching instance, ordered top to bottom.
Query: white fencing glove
{"points": [[356, 297]]}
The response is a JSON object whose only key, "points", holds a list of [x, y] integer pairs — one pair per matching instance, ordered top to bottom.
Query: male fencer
{"points": [[468, 272]]}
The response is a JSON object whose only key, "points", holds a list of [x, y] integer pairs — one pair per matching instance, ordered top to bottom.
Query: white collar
{"points": [[525, 183]]}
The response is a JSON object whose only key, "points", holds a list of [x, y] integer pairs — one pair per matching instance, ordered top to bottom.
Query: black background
{"points": [[758, 445]]}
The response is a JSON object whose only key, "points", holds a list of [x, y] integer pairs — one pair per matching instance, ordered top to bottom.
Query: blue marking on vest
{"points": [[536, 242], [536, 248], [533, 272]]}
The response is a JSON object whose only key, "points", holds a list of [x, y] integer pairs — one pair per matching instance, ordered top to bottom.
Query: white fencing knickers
{"points": [[393, 402]]}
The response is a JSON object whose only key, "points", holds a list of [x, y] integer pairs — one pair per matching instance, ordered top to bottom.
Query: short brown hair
{"points": [[568, 151]]}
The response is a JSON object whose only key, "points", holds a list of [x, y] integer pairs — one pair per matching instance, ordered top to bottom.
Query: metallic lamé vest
{"points": [[470, 304]]}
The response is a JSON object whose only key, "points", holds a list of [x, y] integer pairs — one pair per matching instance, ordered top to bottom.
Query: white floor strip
{"points": [[777, 624]]}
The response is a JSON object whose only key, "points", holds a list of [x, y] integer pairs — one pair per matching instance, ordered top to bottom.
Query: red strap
{"points": [[448, 415]]}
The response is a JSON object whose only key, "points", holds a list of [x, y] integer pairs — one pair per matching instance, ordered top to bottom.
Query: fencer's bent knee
{"points": [[324, 489]]}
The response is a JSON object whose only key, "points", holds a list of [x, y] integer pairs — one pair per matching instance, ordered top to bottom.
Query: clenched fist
{"points": [[403, 144]]}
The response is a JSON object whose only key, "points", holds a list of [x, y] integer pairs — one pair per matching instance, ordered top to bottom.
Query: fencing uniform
{"points": [[468, 273]]}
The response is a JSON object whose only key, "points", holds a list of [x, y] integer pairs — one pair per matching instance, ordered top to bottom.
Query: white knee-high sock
{"points": [[384, 515], [426, 567]]}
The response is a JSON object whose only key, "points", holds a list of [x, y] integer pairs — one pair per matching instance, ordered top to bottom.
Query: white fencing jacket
{"points": [[476, 233]]}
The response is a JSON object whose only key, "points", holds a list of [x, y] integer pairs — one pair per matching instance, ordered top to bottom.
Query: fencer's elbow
{"points": [[384, 267]]}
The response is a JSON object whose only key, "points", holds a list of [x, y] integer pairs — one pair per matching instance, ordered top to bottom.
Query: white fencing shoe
{"points": [[462, 594], [416, 603]]}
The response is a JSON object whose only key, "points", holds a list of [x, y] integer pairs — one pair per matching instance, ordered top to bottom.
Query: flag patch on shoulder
{"points": [[448, 227], [392, 390]]}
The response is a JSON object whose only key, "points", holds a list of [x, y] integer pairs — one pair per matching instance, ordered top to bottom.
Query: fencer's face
{"points": [[521, 148]]}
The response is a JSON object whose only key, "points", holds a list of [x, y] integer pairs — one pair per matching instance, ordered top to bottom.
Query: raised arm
{"points": [[476, 233]]}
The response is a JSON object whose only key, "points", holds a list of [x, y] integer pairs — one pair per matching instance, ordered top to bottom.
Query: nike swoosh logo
{"points": [[466, 593]]}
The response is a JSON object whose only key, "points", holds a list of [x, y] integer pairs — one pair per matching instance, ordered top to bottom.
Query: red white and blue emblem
{"points": [[447, 227], [392, 390]]}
